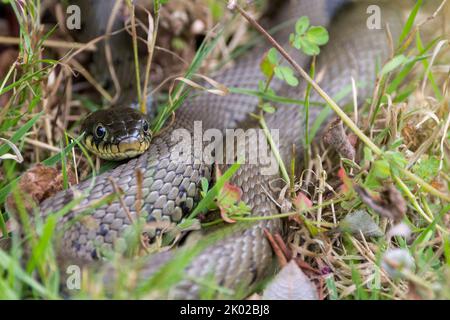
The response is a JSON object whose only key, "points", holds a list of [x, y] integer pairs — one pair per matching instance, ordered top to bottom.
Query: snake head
{"points": [[116, 133]]}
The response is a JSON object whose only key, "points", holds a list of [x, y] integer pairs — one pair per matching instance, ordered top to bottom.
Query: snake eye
{"points": [[145, 126], [100, 131]]}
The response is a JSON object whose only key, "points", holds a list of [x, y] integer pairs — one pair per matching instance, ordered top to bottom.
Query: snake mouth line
{"points": [[125, 149]]}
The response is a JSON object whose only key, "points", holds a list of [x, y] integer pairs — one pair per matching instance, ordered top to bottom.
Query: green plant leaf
{"points": [[302, 25], [318, 35], [296, 41], [309, 48], [272, 55], [269, 63], [393, 64], [287, 74], [267, 107], [396, 160], [427, 167], [379, 171], [205, 184], [207, 201]]}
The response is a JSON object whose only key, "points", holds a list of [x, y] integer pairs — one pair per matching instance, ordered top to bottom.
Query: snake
{"points": [[171, 186]]}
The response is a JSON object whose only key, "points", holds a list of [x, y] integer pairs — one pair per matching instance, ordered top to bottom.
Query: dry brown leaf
{"points": [[336, 137], [17, 156], [37, 184], [229, 195], [302, 202], [389, 203], [360, 222], [281, 256], [396, 261], [291, 284], [254, 296]]}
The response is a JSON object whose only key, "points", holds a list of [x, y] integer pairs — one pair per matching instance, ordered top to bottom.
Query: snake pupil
{"points": [[100, 131]]}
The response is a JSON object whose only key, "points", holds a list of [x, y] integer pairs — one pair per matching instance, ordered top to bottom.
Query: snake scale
{"points": [[170, 188]]}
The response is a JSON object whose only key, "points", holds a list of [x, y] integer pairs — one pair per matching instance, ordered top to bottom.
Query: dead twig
{"points": [[276, 248]]}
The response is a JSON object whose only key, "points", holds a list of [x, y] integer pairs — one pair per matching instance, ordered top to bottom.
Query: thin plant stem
{"points": [[151, 50], [135, 51], [274, 149]]}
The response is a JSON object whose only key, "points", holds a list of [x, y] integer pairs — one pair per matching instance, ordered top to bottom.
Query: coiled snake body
{"points": [[170, 187]]}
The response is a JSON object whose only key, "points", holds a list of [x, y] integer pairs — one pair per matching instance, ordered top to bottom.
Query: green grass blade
{"points": [[410, 22], [203, 51], [273, 97], [19, 134], [205, 203], [37, 255], [6, 261], [331, 286], [6, 292], [360, 293]]}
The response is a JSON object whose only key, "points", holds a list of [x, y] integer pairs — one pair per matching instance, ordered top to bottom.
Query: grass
{"points": [[395, 149]]}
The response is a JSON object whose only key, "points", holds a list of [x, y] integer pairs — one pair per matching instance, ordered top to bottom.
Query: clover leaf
{"points": [[308, 38], [270, 66]]}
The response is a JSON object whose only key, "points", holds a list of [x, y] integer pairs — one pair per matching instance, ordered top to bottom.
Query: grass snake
{"points": [[171, 187]]}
